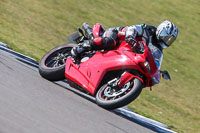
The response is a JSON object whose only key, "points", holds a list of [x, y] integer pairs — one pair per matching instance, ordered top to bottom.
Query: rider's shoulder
{"points": [[149, 27]]}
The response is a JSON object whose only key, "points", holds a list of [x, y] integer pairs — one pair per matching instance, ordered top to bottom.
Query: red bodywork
{"points": [[90, 73]]}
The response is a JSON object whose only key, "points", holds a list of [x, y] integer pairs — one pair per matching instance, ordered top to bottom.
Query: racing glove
{"points": [[130, 35], [130, 40]]}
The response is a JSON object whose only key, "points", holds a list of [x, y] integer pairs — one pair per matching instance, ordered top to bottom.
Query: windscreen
{"points": [[157, 54]]}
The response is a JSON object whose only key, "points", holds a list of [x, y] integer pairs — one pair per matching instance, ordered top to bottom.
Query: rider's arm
{"points": [[132, 32]]}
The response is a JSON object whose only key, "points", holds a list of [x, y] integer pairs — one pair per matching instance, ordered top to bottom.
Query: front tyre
{"points": [[52, 64], [110, 98]]}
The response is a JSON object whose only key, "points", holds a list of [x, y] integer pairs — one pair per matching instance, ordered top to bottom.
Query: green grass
{"points": [[34, 27]]}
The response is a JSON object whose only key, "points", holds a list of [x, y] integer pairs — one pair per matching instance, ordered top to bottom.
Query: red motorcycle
{"points": [[115, 77]]}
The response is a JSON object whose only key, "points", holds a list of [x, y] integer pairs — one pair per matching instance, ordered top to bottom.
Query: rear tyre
{"points": [[52, 64], [110, 98]]}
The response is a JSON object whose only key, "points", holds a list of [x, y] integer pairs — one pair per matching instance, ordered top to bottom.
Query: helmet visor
{"points": [[166, 38]]}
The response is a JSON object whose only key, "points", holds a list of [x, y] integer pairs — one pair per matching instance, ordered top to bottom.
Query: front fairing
{"points": [[151, 55], [153, 77]]}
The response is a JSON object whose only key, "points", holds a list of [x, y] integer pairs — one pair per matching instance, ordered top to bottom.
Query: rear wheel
{"points": [[52, 64], [110, 97]]}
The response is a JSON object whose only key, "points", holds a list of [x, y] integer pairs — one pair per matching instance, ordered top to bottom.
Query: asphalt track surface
{"points": [[31, 104]]}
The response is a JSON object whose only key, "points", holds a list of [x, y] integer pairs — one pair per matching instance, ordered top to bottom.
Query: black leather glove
{"points": [[130, 40]]}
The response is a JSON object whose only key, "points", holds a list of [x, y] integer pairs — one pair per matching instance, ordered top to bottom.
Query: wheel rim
{"points": [[57, 58], [109, 93]]}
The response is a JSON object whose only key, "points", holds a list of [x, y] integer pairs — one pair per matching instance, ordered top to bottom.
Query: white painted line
{"points": [[3, 44], [27, 58], [154, 125]]}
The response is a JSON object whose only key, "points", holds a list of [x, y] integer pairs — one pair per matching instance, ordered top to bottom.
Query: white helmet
{"points": [[167, 33]]}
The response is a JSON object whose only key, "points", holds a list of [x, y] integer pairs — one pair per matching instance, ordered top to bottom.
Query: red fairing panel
{"points": [[73, 72], [91, 72]]}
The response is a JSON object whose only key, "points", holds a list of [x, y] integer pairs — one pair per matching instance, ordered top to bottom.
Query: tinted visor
{"points": [[166, 38]]}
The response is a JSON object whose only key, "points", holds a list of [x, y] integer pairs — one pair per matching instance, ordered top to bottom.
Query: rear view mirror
{"points": [[165, 75]]}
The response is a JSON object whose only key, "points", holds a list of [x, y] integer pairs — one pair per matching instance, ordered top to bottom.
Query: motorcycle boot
{"points": [[88, 31]]}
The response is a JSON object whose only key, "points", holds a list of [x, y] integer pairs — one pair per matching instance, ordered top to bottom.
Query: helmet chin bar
{"points": [[163, 45]]}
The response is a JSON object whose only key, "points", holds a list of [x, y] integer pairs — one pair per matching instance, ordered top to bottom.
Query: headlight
{"points": [[146, 64]]}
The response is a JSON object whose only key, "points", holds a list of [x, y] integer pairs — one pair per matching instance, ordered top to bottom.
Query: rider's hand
{"points": [[130, 40]]}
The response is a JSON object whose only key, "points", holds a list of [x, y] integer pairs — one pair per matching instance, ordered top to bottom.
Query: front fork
{"points": [[125, 77]]}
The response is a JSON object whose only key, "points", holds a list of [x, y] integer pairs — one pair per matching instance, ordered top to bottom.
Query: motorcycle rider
{"points": [[157, 38]]}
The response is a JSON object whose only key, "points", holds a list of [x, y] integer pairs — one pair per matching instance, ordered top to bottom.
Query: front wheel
{"points": [[52, 64], [109, 97]]}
